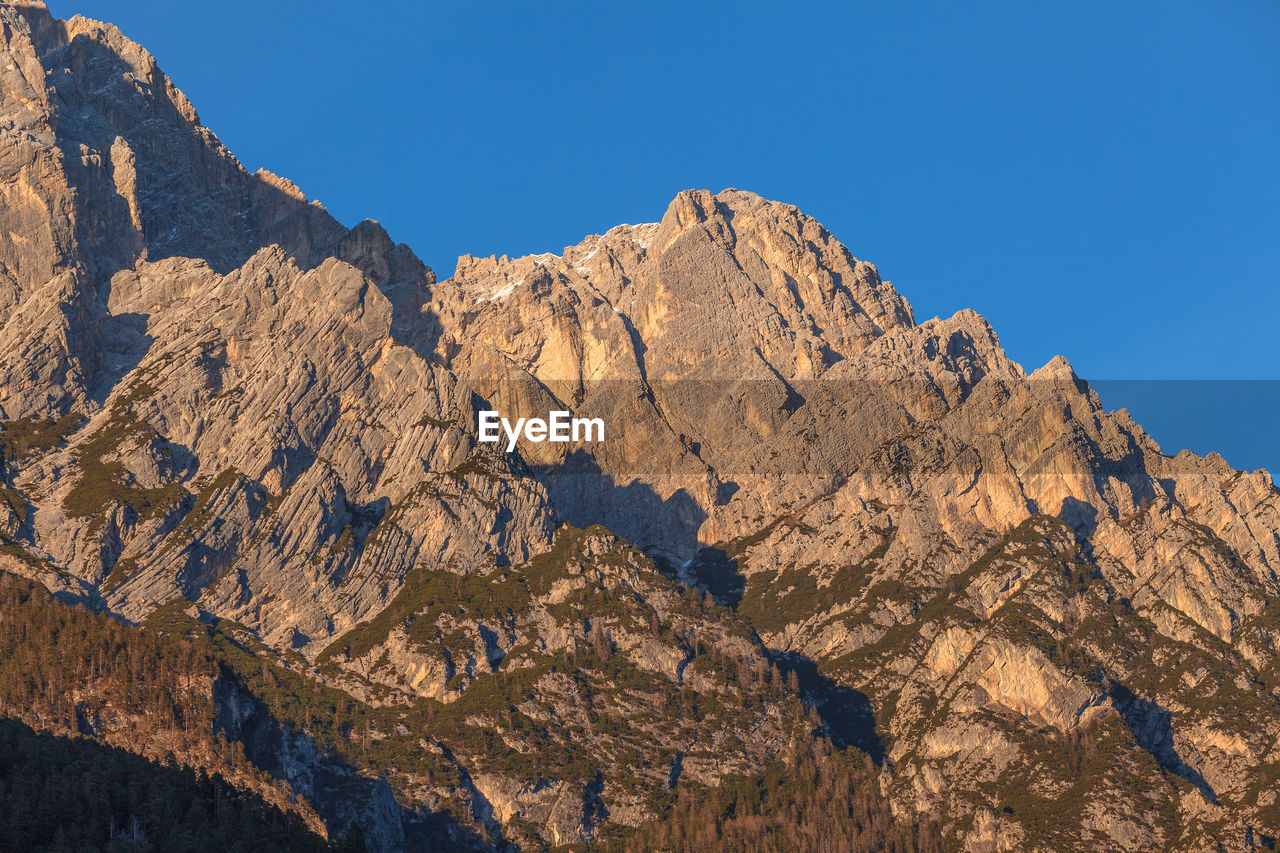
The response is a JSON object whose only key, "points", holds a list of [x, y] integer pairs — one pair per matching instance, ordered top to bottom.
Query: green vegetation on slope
{"points": [[31, 435], [103, 480], [70, 672], [72, 793], [817, 800]]}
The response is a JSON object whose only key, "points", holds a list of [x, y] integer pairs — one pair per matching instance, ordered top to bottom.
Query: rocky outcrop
{"points": [[215, 394], [258, 434], [603, 680]]}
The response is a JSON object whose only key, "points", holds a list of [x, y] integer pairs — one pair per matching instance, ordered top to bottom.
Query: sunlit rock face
{"points": [[215, 394]]}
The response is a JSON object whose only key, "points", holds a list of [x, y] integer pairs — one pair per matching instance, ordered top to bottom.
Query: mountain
{"points": [[833, 578]]}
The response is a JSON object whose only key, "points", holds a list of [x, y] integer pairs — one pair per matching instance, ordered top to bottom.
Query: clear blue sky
{"points": [[1099, 180]]}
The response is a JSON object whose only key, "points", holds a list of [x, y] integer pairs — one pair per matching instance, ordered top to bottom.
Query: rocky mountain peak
{"points": [[1055, 369], [223, 414]]}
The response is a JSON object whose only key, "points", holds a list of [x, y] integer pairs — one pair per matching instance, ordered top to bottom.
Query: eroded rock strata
{"points": [[229, 418]]}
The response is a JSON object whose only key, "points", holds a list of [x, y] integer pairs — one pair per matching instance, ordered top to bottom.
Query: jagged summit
{"points": [[220, 407]]}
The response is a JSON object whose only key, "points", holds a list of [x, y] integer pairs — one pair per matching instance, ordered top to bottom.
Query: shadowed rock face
{"points": [[1050, 633]]}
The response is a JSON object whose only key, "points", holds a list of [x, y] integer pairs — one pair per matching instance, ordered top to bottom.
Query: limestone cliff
{"points": [[223, 413]]}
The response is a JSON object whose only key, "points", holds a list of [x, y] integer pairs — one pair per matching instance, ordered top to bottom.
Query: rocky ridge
{"points": [[219, 402]]}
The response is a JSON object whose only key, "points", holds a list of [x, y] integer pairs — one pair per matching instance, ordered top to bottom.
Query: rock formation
{"points": [[219, 406]]}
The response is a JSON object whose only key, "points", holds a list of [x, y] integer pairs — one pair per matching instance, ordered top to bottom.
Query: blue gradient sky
{"points": [[1099, 180]]}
